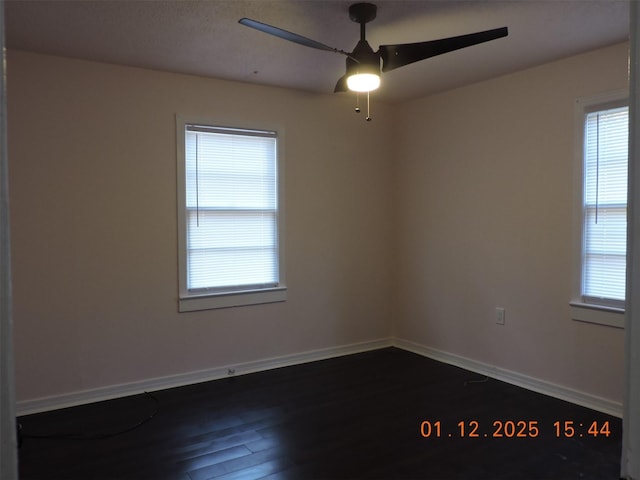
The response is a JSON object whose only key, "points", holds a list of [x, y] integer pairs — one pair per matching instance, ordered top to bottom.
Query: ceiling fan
{"points": [[363, 64]]}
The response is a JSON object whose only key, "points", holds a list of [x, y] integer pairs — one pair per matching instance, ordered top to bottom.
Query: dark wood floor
{"points": [[357, 416]]}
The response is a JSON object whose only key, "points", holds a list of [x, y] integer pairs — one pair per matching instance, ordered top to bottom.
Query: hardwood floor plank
{"points": [[214, 458], [237, 465], [258, 471]]}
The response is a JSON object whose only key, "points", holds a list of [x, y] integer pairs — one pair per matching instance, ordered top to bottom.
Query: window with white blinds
{"points": [[605, 206], [230, 238]]}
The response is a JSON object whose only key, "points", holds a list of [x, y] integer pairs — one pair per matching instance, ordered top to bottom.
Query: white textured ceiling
{"points": [[203, 37]]}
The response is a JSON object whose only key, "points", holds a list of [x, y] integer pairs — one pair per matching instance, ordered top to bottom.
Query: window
{"points": [[603, 152], [605, 206], [229, 217]]}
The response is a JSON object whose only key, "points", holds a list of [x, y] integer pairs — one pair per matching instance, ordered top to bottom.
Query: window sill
{"points": [[232, 299], [598, 314]]}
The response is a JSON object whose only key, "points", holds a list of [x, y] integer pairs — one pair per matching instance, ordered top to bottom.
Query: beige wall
{"points": [[485, 195], [93, 202], [417, 225]]}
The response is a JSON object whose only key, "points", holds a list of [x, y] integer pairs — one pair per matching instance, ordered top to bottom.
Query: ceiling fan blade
{"points": [[285, 35], [395, 56], [341, 86]]}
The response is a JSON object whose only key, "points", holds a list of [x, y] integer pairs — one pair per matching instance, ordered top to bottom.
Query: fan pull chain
{"points": [[357, 109]]}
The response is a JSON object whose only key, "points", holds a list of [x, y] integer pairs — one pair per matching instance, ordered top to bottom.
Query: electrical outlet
{"points": [[500, 314]]}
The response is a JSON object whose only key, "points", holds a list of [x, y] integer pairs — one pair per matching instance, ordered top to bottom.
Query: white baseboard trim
{"points": [[530, 383], [27, 407]]}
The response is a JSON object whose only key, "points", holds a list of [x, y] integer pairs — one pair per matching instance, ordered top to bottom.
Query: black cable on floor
{"points": [[482, 380], [89, 436]]}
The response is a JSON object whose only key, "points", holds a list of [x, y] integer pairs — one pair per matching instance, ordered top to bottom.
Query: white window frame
{"points": [[189, 301], [587, 309]]}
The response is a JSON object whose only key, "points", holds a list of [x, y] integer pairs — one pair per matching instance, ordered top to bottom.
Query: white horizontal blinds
{"points": [[605, 205], [231, 209]]}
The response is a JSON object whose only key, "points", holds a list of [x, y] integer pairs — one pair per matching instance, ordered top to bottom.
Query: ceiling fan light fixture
{"points": [[363, 69], [363, 82]]}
